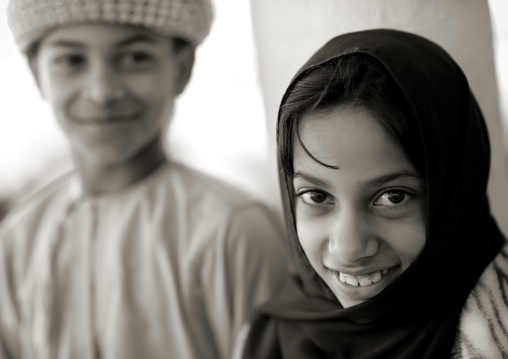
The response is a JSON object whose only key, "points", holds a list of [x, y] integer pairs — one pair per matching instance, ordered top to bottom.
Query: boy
{"points": [[131, 255]]}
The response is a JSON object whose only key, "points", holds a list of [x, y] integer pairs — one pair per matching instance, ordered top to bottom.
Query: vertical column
{"points": [[287, 32]]}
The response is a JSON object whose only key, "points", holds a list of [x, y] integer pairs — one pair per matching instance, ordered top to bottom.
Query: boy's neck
{"points": [[97, 180]]}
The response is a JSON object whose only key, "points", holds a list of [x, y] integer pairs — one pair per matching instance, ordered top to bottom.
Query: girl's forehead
{"points": [[355, 120], [347, 137]]}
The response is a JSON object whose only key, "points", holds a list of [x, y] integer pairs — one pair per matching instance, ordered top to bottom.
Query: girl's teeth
{"points": [[377, 277], [342, 278], [362, 280], [352, 281]]}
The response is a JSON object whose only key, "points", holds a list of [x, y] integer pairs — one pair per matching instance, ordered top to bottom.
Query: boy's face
{"points": [[112, 88]]}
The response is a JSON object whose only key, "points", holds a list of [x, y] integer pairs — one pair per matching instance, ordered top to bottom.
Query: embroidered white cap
{"points": [[190, 20]]}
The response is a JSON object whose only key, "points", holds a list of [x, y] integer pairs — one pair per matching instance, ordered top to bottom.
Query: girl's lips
{"points": [[361, 271], [362, 280], [364, 286]]}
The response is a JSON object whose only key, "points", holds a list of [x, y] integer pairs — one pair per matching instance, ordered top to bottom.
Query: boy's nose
{"points": [[103, 87], [352, 238]]}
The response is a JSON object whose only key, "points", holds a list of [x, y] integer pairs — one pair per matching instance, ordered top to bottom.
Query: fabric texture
{"points": [[190, 20], [171, 267], [417, 315], [483, 325], [482, 331]]}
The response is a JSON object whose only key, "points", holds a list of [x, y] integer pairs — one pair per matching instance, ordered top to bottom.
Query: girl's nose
{"points": [[103, 86], [352, 238]]}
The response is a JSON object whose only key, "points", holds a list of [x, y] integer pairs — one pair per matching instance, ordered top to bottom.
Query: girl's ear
{"points": [[185, 61]]}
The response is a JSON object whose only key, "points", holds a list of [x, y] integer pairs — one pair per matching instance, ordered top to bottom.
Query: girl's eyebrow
{"points": [[405, 175], [309, 178], [378, 181]]}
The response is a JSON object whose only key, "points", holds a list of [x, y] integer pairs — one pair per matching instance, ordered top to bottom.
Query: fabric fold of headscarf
{"points": [[416, 316]]}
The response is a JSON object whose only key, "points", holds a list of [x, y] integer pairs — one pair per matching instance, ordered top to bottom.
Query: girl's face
{"points": [[363, 224]]}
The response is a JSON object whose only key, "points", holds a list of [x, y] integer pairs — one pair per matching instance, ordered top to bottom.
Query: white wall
{"points": [[289, 31], [218, 126]]}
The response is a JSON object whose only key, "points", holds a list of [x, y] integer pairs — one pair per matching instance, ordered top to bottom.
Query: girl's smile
{"points": [[360, 213], [363, 286]]}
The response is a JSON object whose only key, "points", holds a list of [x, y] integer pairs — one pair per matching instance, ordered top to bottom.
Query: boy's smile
{"points": [[112, 88], [86, 112]]}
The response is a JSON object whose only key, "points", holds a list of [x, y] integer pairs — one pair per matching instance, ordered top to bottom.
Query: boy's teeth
{"points": [[362, 280]]}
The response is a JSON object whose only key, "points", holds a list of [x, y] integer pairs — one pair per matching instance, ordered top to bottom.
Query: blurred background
{"points": [[225, 121], [218, 126]]}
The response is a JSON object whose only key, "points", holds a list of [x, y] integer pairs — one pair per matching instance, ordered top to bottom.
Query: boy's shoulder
{"points": [[203, 188], [210, 202], [31, 206]]}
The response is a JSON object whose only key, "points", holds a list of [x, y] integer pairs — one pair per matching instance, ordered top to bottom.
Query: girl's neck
{"points": [[97, 180]]}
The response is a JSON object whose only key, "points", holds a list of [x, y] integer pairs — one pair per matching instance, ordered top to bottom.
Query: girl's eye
{"points": [[314, 198], [392, 198], [314, 203]]}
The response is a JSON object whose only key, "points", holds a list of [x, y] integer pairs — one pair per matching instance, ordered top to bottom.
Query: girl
{"points": [[385, 158]]}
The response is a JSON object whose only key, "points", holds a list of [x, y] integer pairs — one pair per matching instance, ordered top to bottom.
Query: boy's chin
{"points": [[114, 155]]}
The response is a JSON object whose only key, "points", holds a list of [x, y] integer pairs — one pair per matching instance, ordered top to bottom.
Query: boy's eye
{"points": [[135, 59], [69, 61], [392, 198]]}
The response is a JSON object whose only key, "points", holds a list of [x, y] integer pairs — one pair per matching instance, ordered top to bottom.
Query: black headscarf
{"points": [[416, 315]]}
